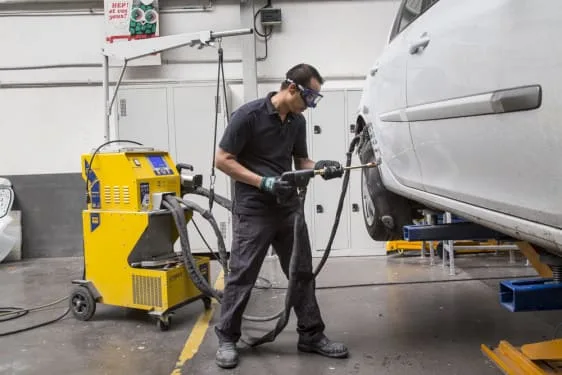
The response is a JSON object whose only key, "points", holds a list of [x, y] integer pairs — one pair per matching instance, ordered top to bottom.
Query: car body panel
{"points": [[385, 91], [491, 163]]}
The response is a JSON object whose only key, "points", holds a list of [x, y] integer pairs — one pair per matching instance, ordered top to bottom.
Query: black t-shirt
{"points": [[265, 146]]}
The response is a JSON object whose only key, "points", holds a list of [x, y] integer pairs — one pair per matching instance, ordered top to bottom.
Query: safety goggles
{"points": [[309, 96]]}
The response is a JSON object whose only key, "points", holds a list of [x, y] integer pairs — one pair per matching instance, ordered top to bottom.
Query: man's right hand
{"points": [[277, 187]]}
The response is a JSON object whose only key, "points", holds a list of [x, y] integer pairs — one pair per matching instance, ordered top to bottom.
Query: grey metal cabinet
{"points": [[142, 116], [180, 119], [194, 119], [330, 128], [328, 141]]}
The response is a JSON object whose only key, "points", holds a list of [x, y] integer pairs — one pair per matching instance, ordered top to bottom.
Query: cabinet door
{"points": [[142, 116], [194, 121], [328, 134], [360, 241]]}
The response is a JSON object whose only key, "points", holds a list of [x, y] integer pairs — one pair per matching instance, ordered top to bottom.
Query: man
{"points": [[261, 142]]}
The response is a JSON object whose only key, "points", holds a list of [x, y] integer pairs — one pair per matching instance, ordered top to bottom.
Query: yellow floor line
{"points": [[198, 333]]}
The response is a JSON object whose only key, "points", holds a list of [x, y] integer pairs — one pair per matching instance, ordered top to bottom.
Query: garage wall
{"points": [[57, 113]]}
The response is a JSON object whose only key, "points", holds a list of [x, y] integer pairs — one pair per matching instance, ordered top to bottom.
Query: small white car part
{"points": [[6, 201]]}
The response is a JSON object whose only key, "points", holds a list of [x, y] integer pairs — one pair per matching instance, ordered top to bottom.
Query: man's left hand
{"points": [[332, 169]]}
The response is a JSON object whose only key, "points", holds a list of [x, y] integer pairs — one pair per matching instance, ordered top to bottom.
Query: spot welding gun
{"points": [[300, 178]]}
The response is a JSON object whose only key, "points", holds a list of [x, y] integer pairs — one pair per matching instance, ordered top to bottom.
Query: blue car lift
{"points": [[449, 228], [538, 294]]}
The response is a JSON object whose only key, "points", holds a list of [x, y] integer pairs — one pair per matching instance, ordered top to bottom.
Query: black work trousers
{"points": [[252, 236]]}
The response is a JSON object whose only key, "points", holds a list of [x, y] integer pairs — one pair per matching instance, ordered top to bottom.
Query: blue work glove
{"points": [[332, 168], [277, 187]]}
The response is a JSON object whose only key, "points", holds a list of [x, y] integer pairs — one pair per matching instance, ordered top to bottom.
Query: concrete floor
{"points": [[391, 328]]}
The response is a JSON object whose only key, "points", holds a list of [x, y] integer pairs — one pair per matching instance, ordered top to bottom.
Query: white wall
{"points": [[341, 38]]}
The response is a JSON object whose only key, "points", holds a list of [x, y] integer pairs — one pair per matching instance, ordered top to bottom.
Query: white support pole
{"points": [[249, 64], [105, 85]]}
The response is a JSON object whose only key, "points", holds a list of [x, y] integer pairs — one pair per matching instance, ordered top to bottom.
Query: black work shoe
{"points": [[324, 347], [227, 355]]}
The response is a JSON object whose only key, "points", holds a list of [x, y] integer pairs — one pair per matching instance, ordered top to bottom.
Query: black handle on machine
{"points": [[181, 166]]}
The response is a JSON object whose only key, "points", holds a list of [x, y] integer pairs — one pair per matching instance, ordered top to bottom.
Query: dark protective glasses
{"points": [[309, 96]]}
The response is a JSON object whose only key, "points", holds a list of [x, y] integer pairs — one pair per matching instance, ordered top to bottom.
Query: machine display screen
{"points": [[159, 165]]}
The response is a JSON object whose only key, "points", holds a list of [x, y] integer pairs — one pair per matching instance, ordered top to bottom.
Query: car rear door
{"points": [[477, 71]]}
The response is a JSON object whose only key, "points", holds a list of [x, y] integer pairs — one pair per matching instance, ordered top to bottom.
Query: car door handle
{"points": [[419, 45]]}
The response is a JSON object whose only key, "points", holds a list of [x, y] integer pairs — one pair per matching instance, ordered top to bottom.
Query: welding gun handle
{"points": [[181, 166], [301, 173]]}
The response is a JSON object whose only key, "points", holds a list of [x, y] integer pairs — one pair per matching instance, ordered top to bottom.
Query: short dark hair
{"points": [[302, 74]]}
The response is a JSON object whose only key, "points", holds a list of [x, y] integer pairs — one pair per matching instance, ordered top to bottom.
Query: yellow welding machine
{"points": [[129, 257]]}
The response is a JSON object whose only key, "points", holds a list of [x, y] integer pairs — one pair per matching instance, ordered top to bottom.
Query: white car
{"points": [[464, 110]]}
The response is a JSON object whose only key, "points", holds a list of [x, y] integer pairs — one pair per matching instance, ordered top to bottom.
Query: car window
{"points": [[409, 10]]}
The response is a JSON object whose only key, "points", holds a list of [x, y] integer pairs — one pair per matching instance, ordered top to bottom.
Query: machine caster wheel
{"points": [[207, 302], [82, 303], [164, 323]]}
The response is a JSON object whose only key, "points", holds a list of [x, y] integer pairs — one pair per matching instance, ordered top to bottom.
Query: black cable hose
{"points": [[345, 183], [220, 200], [207, 215], [217, 258], [190, 263], [192, 269], [12, 313], [36, 325]]}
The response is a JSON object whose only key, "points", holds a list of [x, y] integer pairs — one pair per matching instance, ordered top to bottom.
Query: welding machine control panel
{"points": [[159, 165]]}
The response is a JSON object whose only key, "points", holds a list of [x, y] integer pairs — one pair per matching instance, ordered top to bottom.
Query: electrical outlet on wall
{"points": [[270, 16]]}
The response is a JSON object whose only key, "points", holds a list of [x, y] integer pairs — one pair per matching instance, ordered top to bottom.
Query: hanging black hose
{"points": [[217, 111], [345, 183]]}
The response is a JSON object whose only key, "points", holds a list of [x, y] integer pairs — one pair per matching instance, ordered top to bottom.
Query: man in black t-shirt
{"points": [[261, 142]]}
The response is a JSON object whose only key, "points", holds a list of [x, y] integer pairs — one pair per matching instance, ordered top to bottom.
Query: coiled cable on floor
{"points": [[11, 313]]}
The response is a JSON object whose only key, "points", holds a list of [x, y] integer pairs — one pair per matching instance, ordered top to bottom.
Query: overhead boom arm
{"points": [[136, 49]]}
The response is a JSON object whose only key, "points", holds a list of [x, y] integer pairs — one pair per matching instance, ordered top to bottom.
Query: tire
{"points": [[384, 213], [82, 303], [164, 323]]}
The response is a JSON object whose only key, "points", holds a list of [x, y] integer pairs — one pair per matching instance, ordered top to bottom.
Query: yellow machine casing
{"points": [[129, 237]]}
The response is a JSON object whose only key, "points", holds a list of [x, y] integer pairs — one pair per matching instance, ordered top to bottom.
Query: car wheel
{"points": [[384, 213]]}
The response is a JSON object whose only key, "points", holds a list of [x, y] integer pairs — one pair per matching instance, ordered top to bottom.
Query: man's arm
{"points": [[234, 140], [300, 150], [226, 162], [304, 163]]}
